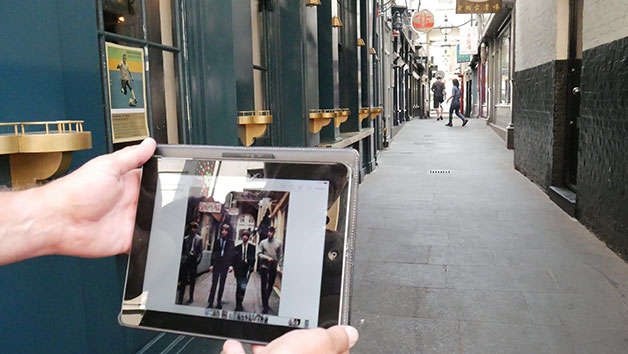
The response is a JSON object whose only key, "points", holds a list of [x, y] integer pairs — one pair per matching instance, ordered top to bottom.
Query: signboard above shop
{"points": [[478, 6], [423, 21], [210, 207]]}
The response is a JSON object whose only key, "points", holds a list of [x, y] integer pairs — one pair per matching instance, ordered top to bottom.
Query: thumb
{"points": [[134, 156], [232, 347]]}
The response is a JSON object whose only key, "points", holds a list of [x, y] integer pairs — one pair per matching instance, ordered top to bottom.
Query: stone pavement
{"points": [[478, 260]]}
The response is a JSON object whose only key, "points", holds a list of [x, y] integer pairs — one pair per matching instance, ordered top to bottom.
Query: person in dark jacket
{"points": [[191, 255], [243, 262], [220, 264]]}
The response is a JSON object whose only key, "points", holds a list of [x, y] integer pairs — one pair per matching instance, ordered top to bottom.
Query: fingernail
{"points": [[353, 335]]}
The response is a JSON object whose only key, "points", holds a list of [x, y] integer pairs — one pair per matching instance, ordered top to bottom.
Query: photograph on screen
{"points": [[232, 254]]}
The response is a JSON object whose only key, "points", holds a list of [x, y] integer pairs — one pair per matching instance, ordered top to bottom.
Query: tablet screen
{"points": [[233, 246]]}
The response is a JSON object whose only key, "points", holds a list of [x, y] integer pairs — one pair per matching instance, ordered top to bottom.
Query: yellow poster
{"points": [[127, 93]]}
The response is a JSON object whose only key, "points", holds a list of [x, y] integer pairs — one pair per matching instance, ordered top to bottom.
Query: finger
{"points": [[133, 156], [342, 338], [232, 347], [257, 348]]}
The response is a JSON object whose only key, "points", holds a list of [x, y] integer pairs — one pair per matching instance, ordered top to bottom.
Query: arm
{"points": [[65, 217], [280, 256]]}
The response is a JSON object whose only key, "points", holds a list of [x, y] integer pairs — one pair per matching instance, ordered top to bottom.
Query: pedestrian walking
{"points": [[438, 87], [455, 104]]}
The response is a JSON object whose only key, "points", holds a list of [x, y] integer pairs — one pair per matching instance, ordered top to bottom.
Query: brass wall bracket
{"points": [[375, 111], [363, 113], [341, 116], [320, 118], [252, 124], [41, 150]]}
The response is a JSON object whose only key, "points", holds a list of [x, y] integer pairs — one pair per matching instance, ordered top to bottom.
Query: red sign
{"points": [[423, 21]]}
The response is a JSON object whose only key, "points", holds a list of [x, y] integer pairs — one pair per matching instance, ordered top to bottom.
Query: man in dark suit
{"points": [[191, 255], [222, 256], [243, 262]]}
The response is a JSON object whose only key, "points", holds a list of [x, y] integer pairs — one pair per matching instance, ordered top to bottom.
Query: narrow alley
{"points": [[476, 258]]}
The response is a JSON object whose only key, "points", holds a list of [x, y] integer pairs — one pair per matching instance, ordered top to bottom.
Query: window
{"points": [[154, 26], [504, 66], [260, 68]]}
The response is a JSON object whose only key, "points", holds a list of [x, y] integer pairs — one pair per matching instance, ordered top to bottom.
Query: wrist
{"points": [[27, 225]]}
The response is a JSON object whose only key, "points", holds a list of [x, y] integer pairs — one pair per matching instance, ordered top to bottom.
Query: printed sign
{"points": [[478, 6], [423, 21], [468, 40], [461, 58], [125, 76], [210, 207]]}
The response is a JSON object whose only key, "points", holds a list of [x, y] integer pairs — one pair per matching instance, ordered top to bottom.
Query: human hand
{"points": [[98, 203], [211, 268], [230, 269], [335, 340]]}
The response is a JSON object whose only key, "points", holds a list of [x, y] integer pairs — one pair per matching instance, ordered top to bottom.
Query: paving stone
{"points": [[461, 256], [419, 275], [499, 279], [377, 298], [474, 305], [578, 310], [403, 335], [498, 338]]}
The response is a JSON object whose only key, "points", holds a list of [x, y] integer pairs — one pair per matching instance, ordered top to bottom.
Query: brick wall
{"points": [[533, 115], [603, 144]]}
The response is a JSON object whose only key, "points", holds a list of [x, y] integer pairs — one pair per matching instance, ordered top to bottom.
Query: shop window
{"points": [[152, 27], [504, 66], [260, 67]]}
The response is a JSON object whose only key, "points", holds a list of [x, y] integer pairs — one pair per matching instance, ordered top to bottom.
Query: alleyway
{"points": [[478, 260]]}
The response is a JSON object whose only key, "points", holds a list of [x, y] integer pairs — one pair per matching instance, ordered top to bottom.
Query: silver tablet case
{"points": [[131, 311]]}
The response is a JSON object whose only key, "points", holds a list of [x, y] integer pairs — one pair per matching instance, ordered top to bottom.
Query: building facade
{"points": [[569, 110]]}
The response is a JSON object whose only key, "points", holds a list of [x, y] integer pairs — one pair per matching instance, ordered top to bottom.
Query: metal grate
{"points": [[439, 171]]}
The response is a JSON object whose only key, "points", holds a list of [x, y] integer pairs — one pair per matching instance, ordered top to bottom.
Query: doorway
{"points": [[574, 69]]}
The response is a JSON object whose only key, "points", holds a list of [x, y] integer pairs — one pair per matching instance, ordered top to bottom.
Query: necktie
{"points": [[244, 253]]}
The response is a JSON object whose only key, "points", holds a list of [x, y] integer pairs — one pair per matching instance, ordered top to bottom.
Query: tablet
{"points": [[242, 243]]}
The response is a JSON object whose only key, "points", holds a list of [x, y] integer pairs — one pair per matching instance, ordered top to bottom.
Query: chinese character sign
{"points": [[478, 6], [423, 21], [468, 40]]}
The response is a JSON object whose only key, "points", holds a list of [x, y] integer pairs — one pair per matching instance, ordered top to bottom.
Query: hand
{"points": [[100, 201], [88, 213], [211, 268], [230, 269], [335, 340]]}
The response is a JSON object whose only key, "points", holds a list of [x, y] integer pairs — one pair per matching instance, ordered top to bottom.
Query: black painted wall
{"points": [[537, 105], [603, 149]]}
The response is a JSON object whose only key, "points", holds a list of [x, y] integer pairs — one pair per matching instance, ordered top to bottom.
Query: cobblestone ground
{"points": [[477, 260]]}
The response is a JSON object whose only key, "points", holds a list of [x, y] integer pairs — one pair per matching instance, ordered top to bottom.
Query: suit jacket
{"points": [[192, 250], [221, 263], [239, 266]]}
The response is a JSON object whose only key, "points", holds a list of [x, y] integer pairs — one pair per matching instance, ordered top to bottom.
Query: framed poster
{"points": [[127, 93]]}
